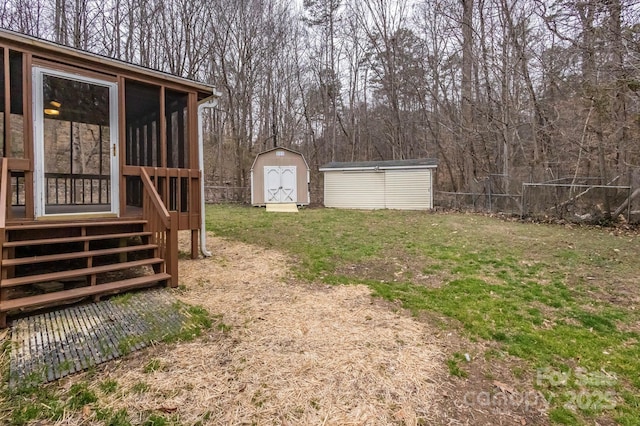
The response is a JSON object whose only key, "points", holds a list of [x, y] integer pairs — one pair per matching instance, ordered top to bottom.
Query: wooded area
{"points": [[509, 91]]}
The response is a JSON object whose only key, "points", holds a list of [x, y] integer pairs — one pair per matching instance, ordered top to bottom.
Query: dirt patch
{"points": [[395, 268], [617, 292], [284, 352], [497, 388]]}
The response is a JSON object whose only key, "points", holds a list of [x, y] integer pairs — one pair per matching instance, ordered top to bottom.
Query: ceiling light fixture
{"points": [[51, 111]]}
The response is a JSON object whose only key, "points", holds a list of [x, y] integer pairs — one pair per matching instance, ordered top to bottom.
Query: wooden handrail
{"points": [[4, 184], [179, 189], [155, 198], [163, 226]]}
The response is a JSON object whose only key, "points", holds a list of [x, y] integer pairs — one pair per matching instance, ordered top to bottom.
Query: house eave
{"points": [[38, 45]]}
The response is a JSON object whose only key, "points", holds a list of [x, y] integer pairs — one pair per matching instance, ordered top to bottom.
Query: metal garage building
{"points": [[279, 175], [395, 184]]}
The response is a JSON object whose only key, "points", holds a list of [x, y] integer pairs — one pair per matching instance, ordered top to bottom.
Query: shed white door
{"points": [[280, 184], [354, 189], [408, 189]]}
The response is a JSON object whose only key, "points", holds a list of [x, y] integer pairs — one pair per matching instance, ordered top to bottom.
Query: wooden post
{"points": [[6, 97], [28, 138], [122, 145], [4, 183], [194, 243], [172, 249], [3, 276]]}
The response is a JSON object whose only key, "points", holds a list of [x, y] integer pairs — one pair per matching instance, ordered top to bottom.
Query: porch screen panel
{"points": [[142, 105], [11, 107], [142, 112], [177, 114], [177, 129], [14, 131], [16, 147]]}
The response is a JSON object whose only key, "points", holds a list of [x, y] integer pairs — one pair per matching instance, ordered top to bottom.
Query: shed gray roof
{"points": [[419, 163]]}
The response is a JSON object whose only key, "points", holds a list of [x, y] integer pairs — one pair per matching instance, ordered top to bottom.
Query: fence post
{"points": [[524, 200], [629, 205]]}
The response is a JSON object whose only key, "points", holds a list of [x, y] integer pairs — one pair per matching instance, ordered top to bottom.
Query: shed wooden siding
{"points": [[269, 158], [354, 189], [408, 189]]}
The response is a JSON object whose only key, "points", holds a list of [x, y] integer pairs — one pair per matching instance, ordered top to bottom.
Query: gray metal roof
{"points": [[419, 163]]}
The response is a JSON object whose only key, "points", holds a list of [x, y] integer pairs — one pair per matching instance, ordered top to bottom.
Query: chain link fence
{"points": [[227, 194], [546, 200], [479, 202], [573, 202], [576, 202]]}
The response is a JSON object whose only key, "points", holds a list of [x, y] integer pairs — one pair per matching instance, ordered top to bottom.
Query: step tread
{"points": [[70, 224], [81, 238], [76, 255], [72, 273], [44, 299]]}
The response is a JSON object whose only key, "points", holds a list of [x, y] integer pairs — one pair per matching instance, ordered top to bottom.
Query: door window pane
{"points": [[76, 146]]}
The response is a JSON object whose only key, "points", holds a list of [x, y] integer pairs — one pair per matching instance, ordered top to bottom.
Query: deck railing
{"points": [[76, 188], [179, 190], [163, 226]]}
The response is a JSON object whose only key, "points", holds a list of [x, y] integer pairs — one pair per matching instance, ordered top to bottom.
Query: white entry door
{"points": [[76, 140], [280, 184]]}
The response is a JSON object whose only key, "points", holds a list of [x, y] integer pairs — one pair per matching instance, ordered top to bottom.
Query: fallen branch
{"points": [[574, 198], [626, 203]]}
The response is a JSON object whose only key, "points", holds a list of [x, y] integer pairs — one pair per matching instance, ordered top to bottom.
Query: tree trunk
{"points": [[466, 88]]}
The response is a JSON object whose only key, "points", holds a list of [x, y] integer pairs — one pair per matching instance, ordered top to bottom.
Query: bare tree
{"points": [[523, 90]]}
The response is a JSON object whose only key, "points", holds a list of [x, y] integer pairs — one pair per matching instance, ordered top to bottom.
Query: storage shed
{"points": [[279, 175], [395, 184]]}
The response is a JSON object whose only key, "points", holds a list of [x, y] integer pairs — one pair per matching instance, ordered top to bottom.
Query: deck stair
{"points": [[49, 263]]}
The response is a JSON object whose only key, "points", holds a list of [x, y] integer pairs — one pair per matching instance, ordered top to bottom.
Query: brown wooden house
{"points": [[100, 169]]}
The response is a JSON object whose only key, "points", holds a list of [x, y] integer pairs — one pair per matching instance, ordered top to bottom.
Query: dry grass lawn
{"points": [[281, 353], [290, 353]]}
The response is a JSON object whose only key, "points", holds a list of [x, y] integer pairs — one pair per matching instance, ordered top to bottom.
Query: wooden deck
{"points": [[18, 212], [62, 260]]}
